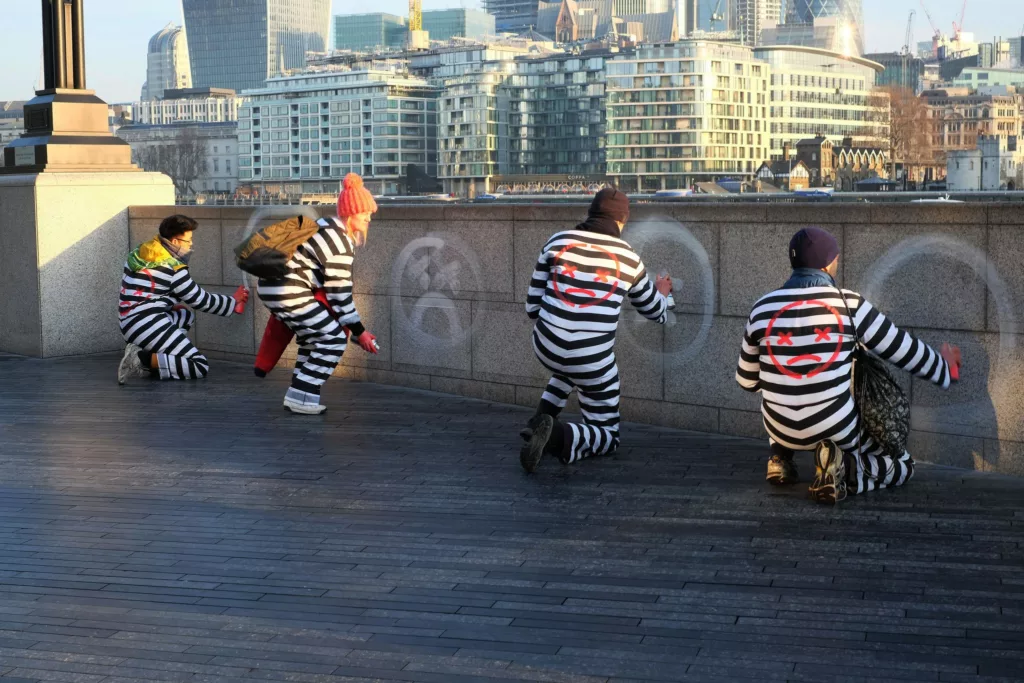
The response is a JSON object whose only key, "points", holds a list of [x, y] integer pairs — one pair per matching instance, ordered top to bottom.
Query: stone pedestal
{"points": [[64, 238]]}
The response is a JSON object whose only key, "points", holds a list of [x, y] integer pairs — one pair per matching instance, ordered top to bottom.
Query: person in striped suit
{"points": [[323, 262], [580, 282], [157, 303], [797, 353]]}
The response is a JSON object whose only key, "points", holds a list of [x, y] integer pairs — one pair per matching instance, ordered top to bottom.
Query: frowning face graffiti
{"points": [[571, 284], [778, 338]]}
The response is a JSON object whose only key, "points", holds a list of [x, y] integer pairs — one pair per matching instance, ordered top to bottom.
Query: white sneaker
{"points": [[130, 365], [303, 408]]}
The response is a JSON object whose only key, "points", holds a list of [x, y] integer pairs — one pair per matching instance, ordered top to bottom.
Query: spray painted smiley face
{"points": [[573, 277], [805, 365]]}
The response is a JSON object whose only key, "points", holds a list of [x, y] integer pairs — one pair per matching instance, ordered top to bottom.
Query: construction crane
{"points": [[416, 15], [716, 16], [958, 26], [910, 33], [936, 33], [906, 52]]}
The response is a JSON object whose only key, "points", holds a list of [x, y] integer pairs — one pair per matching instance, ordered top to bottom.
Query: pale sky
{"points": [[118, 31]]}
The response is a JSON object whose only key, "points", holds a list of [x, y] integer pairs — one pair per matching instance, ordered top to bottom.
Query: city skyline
{"points": [[117, 35]]}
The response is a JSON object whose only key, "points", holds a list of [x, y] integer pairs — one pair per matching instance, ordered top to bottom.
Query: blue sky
{"points": [[117, 32]]}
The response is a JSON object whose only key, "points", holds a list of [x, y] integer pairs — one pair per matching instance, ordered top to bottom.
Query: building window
{"points": [[215, 149], [216, 165]]}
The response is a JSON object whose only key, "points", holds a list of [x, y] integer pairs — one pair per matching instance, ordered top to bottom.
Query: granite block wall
{"points": [[443, 288]]}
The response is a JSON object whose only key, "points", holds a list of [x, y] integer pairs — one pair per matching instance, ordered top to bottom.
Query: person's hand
{"points": [[663, 283], [241, 296], [179, 307], [366, 341], [952, 355]]}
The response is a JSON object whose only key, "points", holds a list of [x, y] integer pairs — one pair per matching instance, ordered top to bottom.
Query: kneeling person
{"points": [[581, 280], [156, 293], [797, 352]]}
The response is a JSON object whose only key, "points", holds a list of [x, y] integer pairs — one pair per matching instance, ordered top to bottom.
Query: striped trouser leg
{"points": [[163, 334], [321, 342], [553, 400], [599, 403], [803, 429], [873, 469]]}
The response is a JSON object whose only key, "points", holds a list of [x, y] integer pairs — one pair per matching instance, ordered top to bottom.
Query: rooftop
{"points": [[195, 531]]}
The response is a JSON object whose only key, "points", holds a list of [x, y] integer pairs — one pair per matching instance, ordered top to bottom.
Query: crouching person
{"points": [[322, 262], [581, 280], [157, 304], [797, 351]]}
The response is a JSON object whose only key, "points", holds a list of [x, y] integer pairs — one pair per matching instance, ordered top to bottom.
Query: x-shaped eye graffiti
{"points": [[569, 270], [602, 276], [822, 334], [785, 338]]}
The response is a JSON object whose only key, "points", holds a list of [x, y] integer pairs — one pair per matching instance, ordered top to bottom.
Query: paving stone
{"points": [[195, 532]]}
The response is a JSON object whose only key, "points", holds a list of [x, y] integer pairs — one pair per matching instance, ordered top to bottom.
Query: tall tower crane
{"points": [[415, 15], [958, 26], [936, 33], [907, 54]]}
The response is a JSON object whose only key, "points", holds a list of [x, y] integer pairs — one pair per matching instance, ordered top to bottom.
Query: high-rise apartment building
{"points": [[849, 13], [513, 16], [751, 17], [445, 24], [374, 31], [239, 44], [167, 63], [816, 92], [686, 112], [556, 119], [308, 130], [473, 130]]}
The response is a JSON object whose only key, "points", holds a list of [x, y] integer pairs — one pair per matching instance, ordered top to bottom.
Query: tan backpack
{"points": [[266, 252]]}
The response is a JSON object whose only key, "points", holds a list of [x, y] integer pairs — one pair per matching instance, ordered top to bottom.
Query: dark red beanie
{"points": [[610, 203], [812, 248]]}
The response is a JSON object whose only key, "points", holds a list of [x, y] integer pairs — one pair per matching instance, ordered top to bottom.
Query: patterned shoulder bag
{"points": [[883, 406]]}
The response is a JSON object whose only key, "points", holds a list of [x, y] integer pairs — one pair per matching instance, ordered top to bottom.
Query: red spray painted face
{"points": [[571, 285], [807, 365]]}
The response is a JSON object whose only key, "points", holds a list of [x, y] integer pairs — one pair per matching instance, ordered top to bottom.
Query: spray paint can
{"points": [[670, 301], [376, 346]]}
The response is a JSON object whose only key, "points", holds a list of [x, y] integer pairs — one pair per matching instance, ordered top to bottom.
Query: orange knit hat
{"points": [[354, 198]]}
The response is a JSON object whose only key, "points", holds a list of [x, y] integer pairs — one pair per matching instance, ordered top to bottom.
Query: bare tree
{"points": [[910, 127], [181, 158]]}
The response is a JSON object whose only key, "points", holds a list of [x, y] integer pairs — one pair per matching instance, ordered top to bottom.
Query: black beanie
{"points": [[610, 203], [812, 248]]}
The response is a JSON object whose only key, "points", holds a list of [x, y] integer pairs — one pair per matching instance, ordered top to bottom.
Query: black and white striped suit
{"points": [[324, 261], [579, 285], [149, 319], [796, 352]]}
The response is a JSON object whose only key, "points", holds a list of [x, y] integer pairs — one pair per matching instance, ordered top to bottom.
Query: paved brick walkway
{"points": [[196, 532]]}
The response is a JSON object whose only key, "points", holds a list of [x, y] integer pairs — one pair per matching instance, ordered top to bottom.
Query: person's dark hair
{"points": [[176, 225]]}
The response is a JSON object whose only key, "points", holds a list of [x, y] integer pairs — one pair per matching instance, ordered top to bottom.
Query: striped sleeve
{"points": [[336, 255], [538, 284], [185, 290], [646, 299], [880, 336], [748, 370]]}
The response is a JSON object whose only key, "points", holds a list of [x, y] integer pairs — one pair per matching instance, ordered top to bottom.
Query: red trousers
{"points": [[276, 338]]}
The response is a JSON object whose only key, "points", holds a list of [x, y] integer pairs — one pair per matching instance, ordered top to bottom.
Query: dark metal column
{"points": [[78, 43], [48, 64], [60, 71]]}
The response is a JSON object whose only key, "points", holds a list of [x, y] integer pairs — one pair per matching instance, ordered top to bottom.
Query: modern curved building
{"points": [[850, 15], [239, 44], [167, 63]]}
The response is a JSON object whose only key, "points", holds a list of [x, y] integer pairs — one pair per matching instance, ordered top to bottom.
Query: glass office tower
{"points": [[238, 44]]}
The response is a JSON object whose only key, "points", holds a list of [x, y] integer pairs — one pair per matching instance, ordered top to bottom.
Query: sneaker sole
{"points": [[122, 371], [530, 455], [825, 489]]}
